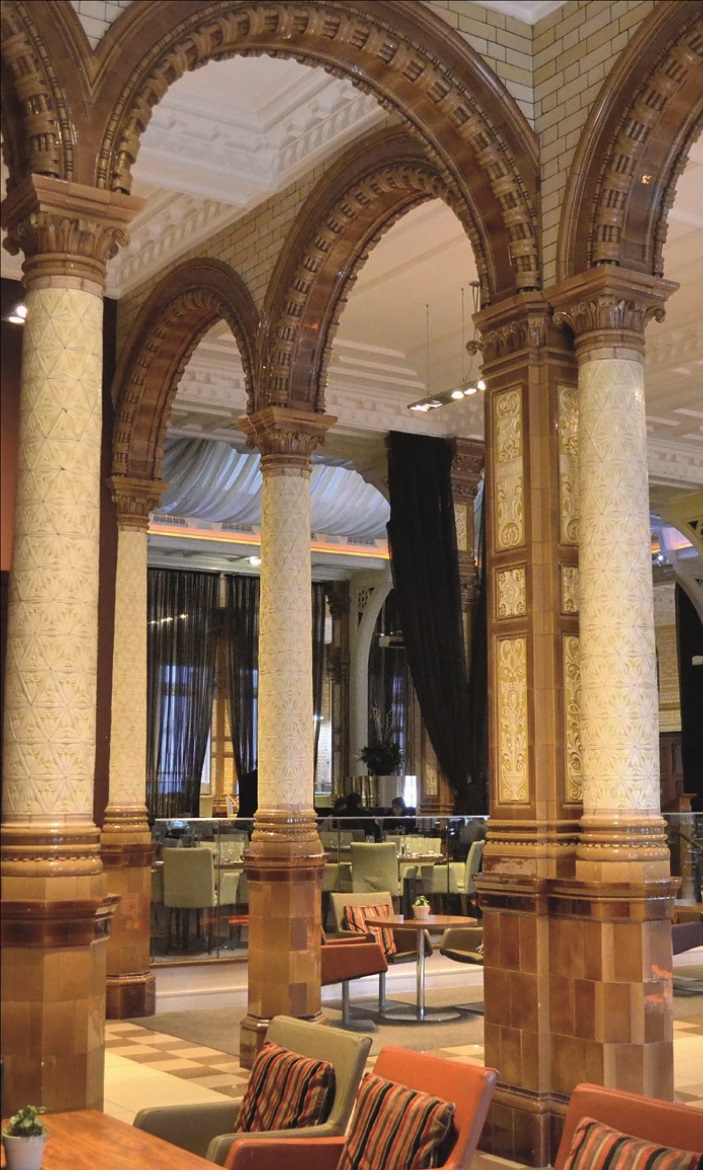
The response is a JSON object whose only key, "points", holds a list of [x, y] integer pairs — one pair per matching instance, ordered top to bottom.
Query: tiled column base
{"points": [[127, 856], [284, 867], [55, 926], [577, 987]]}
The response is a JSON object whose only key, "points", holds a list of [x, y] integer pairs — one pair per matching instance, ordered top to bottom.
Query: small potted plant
{"points": [[421, 907], [24, 1138]]}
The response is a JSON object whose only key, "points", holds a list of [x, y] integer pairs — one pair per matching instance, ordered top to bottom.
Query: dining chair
{"points": [[375, 867], [454, 877], [189, 884], [468, 1087]]}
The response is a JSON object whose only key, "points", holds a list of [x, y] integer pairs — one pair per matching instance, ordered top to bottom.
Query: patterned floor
{"points": [[213, 1070]]}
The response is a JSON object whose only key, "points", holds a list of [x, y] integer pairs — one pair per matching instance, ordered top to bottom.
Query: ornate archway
{"points": [[83, 120], [634, 147], [369, 188], [181, 309]]}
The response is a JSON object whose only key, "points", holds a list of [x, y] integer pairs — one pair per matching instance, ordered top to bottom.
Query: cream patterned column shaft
{"points": [[52, 624], [619, 706], [127, 851], [284, 860], [54, 955]]}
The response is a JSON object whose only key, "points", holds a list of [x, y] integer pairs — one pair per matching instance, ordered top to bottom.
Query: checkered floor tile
{"points": [[218, 1071]]}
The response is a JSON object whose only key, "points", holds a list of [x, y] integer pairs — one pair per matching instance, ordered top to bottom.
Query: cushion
{"points": [[355, 919], [285, 1091], [396, 1128], [595, 1146]]}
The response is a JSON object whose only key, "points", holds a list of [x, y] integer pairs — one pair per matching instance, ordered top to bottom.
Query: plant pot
{"points": [[422, 911], [24, 1153]]}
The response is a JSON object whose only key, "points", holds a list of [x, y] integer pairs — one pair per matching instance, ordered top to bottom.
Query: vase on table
{"points": [[24, 1153]]}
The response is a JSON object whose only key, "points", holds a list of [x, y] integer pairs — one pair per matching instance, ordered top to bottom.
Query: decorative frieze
{"points": [[567, 414], [508, 470], [462, 527], [569, 579], [511, 596], [572, 727], [513, 779]]}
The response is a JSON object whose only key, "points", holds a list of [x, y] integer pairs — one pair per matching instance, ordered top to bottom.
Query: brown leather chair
{"points": [[346, 959]]}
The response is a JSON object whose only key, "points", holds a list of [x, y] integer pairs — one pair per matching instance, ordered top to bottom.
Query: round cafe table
{"points": [[434, 924]]}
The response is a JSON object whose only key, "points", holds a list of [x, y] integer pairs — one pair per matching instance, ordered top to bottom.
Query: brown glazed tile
{"points": [[510, 942], [528, 943], [627, 953], [496, 996], [523, 1002], [561, 1005], [584, 1008], [615, 1022], [511, 1049]]}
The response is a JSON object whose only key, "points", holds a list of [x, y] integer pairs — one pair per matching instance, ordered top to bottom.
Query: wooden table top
{"points": [[431, 922], [89, 1140]]}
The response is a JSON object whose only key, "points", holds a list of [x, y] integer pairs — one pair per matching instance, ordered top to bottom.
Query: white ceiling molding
{"points": [[528, 11]]}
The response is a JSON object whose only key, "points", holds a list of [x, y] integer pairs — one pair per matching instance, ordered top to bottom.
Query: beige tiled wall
{"points": [[574, 51]]}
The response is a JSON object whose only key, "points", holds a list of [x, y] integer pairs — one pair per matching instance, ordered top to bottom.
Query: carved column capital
{"points": [[66, 230], [608, 308], [513, 325], [286, 438], [135, 499]]}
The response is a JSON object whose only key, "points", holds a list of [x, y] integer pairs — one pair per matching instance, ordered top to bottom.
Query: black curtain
{"points": [[424, 561], [319, 618], [243, 629], [690, 645], [181, 648], [389, 682], [477, 792]]}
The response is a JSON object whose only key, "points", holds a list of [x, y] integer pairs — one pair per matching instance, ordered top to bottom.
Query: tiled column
{"points": [[534, 766], [126, 848], [284, 860], [56, 911], [611, 925]]}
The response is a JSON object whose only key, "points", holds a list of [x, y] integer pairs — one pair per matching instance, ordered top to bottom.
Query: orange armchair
{"points": [[352, 958], [468, 1085], [660, 1122]]}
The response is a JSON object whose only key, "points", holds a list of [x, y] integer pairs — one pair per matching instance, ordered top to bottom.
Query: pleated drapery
{"points": [[213, 482], [425, 566], [243, 630], [181, 648]]}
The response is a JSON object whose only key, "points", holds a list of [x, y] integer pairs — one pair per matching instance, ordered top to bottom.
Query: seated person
{"points": [[361, 818], [401, 818], [331, 823]]}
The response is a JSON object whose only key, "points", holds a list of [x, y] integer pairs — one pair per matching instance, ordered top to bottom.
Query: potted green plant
{"points": [[382, 755], [421, 907], [24, 1138]]}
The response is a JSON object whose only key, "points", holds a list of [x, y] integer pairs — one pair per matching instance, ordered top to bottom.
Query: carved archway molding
{"points": [[408, 58], [635, 146], [370, 187], [180, 310]]}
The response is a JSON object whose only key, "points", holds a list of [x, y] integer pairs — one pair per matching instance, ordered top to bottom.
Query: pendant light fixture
{"points": [[471, 381]]}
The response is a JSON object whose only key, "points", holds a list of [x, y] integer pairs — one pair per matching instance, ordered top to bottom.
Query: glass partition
{"points": [[200, 899]]}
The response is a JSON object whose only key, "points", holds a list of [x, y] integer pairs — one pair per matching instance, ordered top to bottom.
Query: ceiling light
{"points": [[18, 316], [471, 382], [254, 560]]}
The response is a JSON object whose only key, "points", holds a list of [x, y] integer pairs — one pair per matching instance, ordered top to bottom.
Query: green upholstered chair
{"points": [[207, 1129]]}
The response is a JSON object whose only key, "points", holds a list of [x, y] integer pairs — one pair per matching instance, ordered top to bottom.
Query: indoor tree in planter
{"points": [[24, 1138]]}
